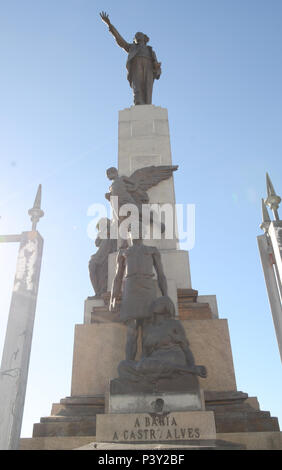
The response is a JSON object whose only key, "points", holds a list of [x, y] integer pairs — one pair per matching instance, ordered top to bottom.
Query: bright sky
{"points": [[62, 83]]}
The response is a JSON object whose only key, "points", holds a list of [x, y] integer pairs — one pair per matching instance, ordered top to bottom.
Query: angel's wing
{"points": [[149, 176]]}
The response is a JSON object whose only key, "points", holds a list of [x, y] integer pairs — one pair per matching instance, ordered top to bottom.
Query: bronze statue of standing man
{"points": [[142, 65]]}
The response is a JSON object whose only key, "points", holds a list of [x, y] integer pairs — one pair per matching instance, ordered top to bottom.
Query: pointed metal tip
{"points": [[269, 186], [37, 200], [272, 200], [35, 212]]}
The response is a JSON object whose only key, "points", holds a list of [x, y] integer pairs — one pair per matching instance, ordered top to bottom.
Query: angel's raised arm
{"points": [[119, 39]]}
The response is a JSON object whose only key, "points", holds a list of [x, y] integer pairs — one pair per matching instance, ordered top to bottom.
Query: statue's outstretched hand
{"points": [[105, 17]]}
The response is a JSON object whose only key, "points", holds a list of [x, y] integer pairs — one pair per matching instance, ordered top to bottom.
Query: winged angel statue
{"points": [[133, 189]]}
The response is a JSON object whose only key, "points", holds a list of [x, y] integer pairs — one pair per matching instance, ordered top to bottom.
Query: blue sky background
{"points": [[62, 83]]}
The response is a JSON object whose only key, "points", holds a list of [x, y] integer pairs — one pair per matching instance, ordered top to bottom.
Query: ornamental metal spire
{"points": [[272, 200], [35, 212], [270, 248], [16, 352]]}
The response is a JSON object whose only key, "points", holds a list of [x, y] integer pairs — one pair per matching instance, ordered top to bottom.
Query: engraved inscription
{"points": [[156, 428]]}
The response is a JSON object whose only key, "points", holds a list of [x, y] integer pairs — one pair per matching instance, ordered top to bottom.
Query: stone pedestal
{"points": [[99, 348], [180, 394]]}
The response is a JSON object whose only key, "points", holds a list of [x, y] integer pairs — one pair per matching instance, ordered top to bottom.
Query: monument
{"points": [[152, 362]]}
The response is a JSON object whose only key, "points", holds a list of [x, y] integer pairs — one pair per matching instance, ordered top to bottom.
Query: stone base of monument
{"points": [[180, 394]]}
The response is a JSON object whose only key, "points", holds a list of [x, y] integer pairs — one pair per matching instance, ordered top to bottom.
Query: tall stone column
{"points": [[144, 140], [17, 346]]}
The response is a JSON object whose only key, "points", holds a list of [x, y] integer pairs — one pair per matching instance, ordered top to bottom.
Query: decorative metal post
{"points": [[270, 248], [17, 346]]}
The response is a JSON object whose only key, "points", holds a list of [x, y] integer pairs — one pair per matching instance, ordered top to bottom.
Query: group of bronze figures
{"points": [[165, 349]]}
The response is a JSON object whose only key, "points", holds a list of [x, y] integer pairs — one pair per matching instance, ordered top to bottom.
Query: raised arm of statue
{"points": [[119, 39], [160, 272], [117, 282]]}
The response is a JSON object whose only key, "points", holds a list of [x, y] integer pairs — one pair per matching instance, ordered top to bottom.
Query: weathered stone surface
{"points": [[144, 141], [212, 301], [89, 305], [194, 311], [210, 343], [92, 371], [183, 383], [180, 394], [146, 402], [79, 406], [232, 410], [235, 412], [245, 421], [194, 425], [65, 426], [255, 440], [252, 441], [55, 442], [89, 443], [200, 444]]}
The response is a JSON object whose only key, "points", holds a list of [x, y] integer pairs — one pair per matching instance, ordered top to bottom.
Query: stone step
{"points": [[187, 294], [188, 307], [194, 311], [224, 397], [98, 400], [79, 406], [234, 407], [59, 409], [76, 416], [66, 419], [244, 422], [67, 427]]}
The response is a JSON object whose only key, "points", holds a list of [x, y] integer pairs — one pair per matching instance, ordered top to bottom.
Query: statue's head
{"points": [[141, 38], [112, 173], [163, 306]]}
